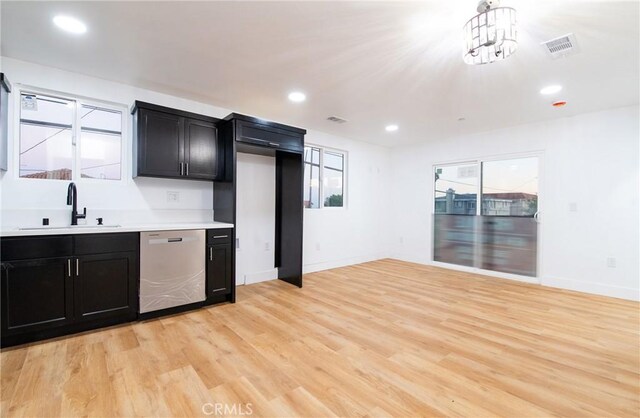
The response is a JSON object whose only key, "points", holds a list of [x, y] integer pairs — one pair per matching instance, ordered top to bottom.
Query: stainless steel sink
{"points": [[34, 228]]}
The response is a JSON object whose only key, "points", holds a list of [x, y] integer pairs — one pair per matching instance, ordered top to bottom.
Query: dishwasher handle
{"points": [[172, 240]]}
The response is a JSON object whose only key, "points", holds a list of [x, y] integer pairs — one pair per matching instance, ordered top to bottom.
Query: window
{"points": [[46, 137], [69, 139], [312, 177], [324, 177], [510, 187], [455, 189], [483, 214]]}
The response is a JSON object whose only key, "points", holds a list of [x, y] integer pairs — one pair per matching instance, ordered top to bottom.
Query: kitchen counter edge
{"points": [[123, 228]]}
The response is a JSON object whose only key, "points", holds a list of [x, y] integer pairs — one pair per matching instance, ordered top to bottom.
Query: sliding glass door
{"points": [[485, 215], [455, 220]]}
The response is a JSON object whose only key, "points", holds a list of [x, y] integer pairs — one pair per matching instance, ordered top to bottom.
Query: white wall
{"points": [[591, 160], [255, 218], [359, 232], [332, 237]]}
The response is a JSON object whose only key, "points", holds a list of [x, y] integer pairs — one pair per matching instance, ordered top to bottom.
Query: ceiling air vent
{"points": [[562, 46], [336, 119]]}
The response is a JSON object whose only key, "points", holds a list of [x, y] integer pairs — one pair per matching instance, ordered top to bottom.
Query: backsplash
{"points": [[12, 219]]}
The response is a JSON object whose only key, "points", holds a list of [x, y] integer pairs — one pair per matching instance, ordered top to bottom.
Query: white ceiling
{"points": [[372, 63]]}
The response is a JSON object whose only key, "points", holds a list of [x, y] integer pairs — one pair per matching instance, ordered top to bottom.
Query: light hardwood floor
{"points": [[385, 338]]}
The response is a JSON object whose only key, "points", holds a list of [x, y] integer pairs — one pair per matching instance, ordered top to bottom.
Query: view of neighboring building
{"points": [[495, 204]]}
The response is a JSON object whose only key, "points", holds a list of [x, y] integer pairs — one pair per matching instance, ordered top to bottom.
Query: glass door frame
{"points": [[477, 247]]}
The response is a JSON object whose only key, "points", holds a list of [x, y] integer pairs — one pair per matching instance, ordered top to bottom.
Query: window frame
{"points": [[76, 134], [345, 157]]}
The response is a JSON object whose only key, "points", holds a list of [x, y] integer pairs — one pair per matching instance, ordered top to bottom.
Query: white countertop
{"points": [[97, 229]]}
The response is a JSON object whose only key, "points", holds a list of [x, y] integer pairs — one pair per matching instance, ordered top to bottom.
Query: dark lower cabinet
{"points": [[219, 270], [220, 280], [52, 286], [105, 286], [36, 295]]}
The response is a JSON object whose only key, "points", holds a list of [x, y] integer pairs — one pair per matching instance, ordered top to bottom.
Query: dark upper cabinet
{"points": [[5, 89], [265, 134], [260, 135], [160, 144], [175, 144], [201, 149], [54, 285], [37, 294]]}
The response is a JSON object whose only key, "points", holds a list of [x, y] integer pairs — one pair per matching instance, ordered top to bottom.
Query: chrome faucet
{"points": [[72, 199]]}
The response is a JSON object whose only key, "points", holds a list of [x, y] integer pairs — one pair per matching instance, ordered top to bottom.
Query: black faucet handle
{"points": [[84, 214]]}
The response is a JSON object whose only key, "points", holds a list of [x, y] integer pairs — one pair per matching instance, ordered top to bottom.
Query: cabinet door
{"points": [[271, 137], [160, 144], [201, 149], [218, 269], [105, 286], [36, 294]]}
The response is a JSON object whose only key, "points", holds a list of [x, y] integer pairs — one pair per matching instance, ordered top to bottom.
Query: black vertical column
{"points": [[224, 191], [289, 212]]}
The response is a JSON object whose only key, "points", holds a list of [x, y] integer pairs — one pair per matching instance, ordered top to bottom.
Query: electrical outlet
{"points": [[173, 197], [573, 207], [401, 240], [267, 246], [317, 246], [611, 262]]}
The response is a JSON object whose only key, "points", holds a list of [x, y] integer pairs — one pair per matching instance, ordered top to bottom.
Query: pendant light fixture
{"points": [[491, 35]]}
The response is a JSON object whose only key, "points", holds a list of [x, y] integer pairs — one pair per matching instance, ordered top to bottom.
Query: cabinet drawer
{"points": [[269, 137], [219, 236], [105, 243], [24, 248]]}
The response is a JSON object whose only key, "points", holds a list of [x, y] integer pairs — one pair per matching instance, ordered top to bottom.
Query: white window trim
{"points": [[75, 163], [321, 180]]}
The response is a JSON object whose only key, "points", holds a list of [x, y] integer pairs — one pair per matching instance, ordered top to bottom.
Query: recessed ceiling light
{"points": [[70, 24], [551, 90], [297, 97], [391, 128]]}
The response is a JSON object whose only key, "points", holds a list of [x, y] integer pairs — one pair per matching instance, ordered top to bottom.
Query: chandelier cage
{"points": [[490, 36]]}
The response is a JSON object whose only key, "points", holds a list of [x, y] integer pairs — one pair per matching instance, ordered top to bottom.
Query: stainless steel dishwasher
{"points": [[172, 269]]}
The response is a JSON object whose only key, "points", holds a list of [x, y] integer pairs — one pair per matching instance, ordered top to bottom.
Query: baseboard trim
{"points": [[326, 265], [261, 276], [510, 276], [600, 289], [619, 292]]}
